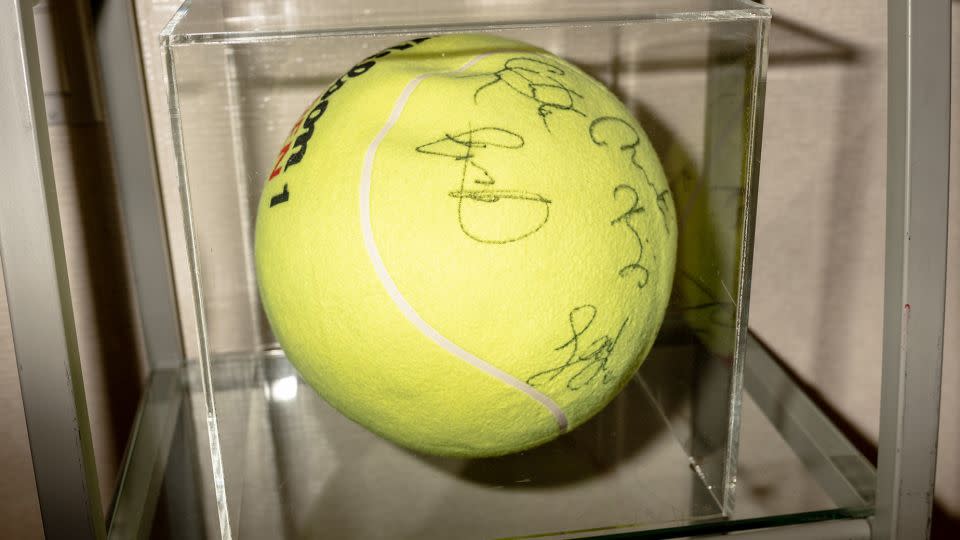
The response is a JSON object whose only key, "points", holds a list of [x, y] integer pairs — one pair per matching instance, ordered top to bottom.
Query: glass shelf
{"points": [[311, 473]]}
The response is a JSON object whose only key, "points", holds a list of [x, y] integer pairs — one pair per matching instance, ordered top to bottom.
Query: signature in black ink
{"points": [[536, 80], [610, 129], [487, 214], [637, 267], [718, 314], [584, 363]]}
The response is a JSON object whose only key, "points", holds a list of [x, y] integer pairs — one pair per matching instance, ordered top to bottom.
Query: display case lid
{"points": [[253, 20]]}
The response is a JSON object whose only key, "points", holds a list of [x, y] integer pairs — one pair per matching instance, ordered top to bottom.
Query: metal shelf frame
{"points": [[918, 178], [38, 292]]}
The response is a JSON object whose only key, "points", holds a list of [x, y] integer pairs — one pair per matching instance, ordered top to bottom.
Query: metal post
{"points": [[918, 160], [135, 163], [41, 313]]}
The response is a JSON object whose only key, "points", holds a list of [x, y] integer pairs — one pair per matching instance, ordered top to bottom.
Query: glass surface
{"points": [[208, 21], [692, 73], [311, 473]]}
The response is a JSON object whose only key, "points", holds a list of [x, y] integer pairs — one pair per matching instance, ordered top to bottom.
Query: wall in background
{"points": [[818, 268], [817, 292]]}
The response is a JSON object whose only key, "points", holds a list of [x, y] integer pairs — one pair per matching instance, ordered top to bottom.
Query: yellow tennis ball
{"points": [[466, 245]]}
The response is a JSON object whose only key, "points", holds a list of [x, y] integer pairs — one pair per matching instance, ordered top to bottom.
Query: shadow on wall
{"points": [[795, 44], [93, 232], [944, 524]]}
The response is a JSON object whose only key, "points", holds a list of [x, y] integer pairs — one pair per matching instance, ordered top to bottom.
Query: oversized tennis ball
{"points": [[466, 245]]}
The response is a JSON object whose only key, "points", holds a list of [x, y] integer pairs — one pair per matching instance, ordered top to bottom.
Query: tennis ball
{"points": [[466, 245]]}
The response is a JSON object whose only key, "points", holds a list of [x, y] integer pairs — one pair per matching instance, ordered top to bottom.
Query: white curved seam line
{"points": [[366, 179]]}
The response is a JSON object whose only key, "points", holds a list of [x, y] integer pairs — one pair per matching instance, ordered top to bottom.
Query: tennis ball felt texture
{"points": [[466, 245]]}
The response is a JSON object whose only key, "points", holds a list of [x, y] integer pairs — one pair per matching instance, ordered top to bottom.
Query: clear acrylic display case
{"points": [[284, 464]]}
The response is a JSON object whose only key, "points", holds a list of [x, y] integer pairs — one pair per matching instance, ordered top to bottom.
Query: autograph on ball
{"points": [[538, 81], [610, 130], [487, 212], [636, 267], [585, 362]]}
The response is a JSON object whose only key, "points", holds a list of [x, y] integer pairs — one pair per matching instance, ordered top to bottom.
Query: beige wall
{"points": [[818, 268], [817, 292]]}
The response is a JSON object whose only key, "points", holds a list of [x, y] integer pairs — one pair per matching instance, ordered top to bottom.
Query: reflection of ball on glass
{"points": [[466, 245]]}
